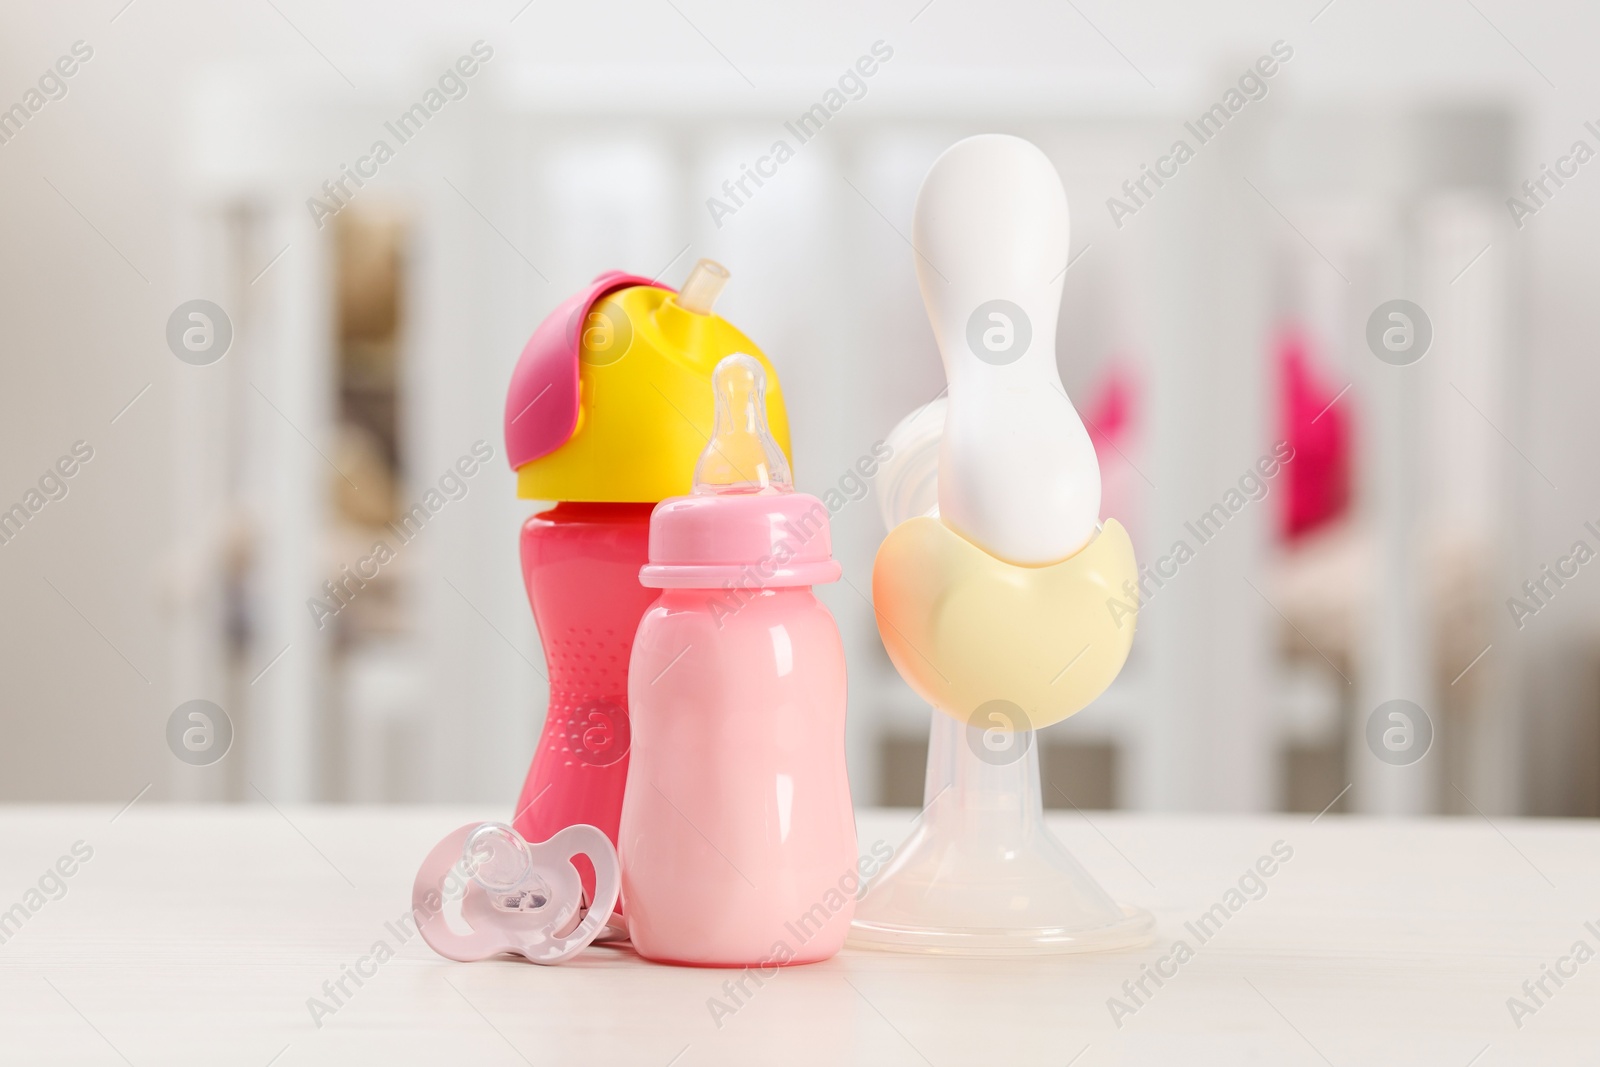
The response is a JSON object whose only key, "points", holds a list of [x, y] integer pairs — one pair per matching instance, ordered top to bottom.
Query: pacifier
{"points": [[515, 896]]}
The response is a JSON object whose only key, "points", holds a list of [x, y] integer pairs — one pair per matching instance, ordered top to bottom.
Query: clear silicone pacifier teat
{"points": [[742, 456], [498, 859]]}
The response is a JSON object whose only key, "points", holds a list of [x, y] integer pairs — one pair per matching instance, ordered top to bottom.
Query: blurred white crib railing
{"points": [[517, 197]]}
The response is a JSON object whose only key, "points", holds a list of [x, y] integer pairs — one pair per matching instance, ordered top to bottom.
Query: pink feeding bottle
{"points": [[738, 841]]}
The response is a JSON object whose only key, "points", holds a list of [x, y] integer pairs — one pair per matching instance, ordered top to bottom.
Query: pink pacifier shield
{"points": [[515, 897]]}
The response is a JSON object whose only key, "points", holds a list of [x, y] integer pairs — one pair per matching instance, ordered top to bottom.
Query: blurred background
{"points": [[1420, 545]]}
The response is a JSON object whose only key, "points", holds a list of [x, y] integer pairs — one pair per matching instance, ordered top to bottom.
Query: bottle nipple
{"points": [[742, 456]]}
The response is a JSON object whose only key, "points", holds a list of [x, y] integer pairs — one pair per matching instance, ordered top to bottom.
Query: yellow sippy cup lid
{"points": [[612, 400]]}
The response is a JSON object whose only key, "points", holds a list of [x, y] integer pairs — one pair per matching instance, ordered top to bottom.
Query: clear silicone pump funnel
{"points": [[742, 456], [981, 874]]}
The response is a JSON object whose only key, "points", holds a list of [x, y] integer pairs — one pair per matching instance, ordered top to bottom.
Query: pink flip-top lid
{"points": [[542, 404], [754, 540]]}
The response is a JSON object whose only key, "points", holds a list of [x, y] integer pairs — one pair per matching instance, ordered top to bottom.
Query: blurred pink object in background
{"points": [[1111, 413], [1316, 423]]}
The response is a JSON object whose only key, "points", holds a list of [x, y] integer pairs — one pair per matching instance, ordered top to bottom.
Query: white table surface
{"points": [[197, 935]]}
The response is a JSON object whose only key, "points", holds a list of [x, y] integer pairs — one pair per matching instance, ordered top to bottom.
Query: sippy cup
{"points": [[608, 406], [738, 840]]}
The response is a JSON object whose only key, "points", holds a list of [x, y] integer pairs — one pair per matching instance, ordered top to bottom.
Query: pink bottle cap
{"points": [[743, 523]]}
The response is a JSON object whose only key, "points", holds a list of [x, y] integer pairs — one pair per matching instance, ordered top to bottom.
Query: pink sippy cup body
{"points": [[581, 565], [738, 839]]}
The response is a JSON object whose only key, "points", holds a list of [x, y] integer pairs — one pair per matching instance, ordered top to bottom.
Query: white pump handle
{"points": [[1017, 471]]}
